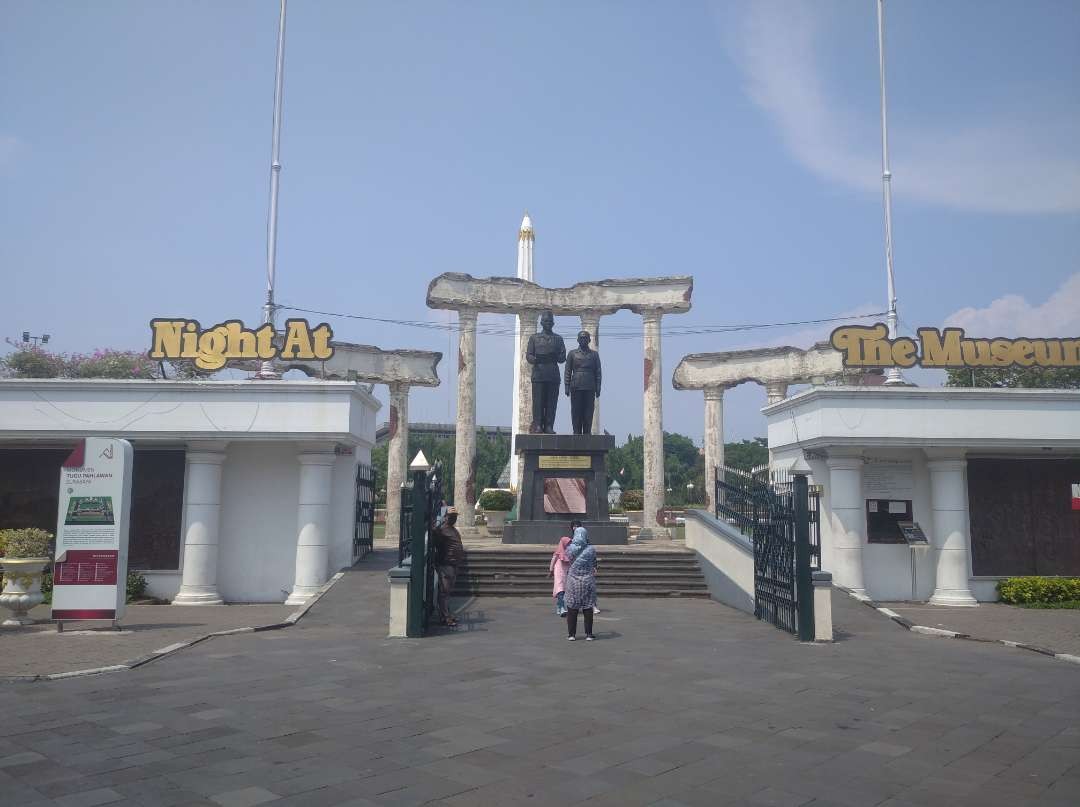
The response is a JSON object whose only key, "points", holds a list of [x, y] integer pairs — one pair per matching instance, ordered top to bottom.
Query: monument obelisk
{"points": [[522, 388]]}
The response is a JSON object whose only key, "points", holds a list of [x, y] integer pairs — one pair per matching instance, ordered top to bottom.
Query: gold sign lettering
{"points": [[864, 346], [213, 348]]}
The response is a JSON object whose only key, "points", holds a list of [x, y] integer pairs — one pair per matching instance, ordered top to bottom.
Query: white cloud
{"points": [[1009, 165], [1012, 315]]}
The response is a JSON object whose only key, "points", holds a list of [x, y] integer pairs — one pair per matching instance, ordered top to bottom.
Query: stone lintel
{"points": [[511, 295], [788, 365], [418, 368]]}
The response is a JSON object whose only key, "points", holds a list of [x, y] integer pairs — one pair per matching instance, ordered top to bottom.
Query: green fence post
{"points": [[417, 584], [804, 584]]}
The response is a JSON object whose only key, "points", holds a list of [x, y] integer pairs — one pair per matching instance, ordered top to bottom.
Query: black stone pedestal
{"points": [[565, 479]]}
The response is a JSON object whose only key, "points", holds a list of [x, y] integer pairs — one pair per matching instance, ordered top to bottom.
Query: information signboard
{"points": [[913, 533], [90, 569]]}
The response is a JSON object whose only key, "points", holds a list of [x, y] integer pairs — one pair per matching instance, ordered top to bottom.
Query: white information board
{"points": [[888, 479], [90, 569]]}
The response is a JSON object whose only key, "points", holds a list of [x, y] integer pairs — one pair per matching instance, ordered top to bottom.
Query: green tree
{"points": [[1016, 377], [746, 454], [491, 458]]}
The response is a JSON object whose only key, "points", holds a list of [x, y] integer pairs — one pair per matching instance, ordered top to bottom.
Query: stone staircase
{"points": [[621, 572]]}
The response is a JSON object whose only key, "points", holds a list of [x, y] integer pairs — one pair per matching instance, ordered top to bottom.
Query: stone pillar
{"points": [[591, 322], [526, 327], [775, 391], [653, 431], [714, 441], [465, 444], [397, 457], [202, 515], [949, 520], [848, 521], [313, 522], [823, 624]]}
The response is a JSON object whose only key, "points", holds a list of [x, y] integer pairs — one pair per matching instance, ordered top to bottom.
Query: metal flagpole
{"points": [[267, 370], [892, 375]]}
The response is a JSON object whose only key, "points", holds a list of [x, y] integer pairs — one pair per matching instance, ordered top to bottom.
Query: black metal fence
{"points": [[422, 510], [364, 520], [778, 523]]}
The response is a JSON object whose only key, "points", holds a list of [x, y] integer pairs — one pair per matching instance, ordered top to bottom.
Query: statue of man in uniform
{"points": [[545, 352], [582, 379]]}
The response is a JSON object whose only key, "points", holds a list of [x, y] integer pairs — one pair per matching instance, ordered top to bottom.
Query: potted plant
{"points": [[633, 502], [496, 504], [24, 554]]}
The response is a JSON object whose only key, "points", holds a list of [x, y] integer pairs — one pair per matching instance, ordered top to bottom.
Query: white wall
{"points": [[260, 495], [726, 557]]}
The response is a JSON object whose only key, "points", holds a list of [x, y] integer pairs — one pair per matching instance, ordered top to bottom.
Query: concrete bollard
{"points": [[399, 578], [823, 627]]}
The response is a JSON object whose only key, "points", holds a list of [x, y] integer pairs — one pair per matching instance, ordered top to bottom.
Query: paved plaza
{"points": [[679, 702]]}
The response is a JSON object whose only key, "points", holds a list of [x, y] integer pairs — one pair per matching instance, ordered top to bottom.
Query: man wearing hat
{"points": [[449, 555]]}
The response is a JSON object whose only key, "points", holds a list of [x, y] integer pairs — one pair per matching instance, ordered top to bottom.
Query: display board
{"points": [[888, 479], [913, 533], [90, 569]]}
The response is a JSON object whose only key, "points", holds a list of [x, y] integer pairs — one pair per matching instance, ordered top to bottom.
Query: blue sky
{"points": [[737, 142]]}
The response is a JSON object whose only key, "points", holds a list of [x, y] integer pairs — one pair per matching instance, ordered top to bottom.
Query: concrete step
{"points": [[621, 572]]}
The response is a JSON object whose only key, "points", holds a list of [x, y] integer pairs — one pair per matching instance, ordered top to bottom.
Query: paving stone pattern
{"points": [[1055, 629], [40, 650], [677, 703]]}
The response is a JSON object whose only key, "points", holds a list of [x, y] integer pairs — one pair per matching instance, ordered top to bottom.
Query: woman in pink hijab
{"points": [[558, 567]]}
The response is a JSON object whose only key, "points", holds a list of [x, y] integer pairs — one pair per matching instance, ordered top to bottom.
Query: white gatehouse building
{"points": [[243, 491]]}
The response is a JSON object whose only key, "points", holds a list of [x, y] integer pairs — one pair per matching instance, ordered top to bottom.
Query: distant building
{"points": [[440, 431]]}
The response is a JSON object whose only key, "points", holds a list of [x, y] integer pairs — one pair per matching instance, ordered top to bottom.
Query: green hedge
{"points": [[633, 500], [497, 501], [1039, 589]]}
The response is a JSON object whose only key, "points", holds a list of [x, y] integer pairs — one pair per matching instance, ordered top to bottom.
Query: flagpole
{"points": [[267, 370], [892, 375]]}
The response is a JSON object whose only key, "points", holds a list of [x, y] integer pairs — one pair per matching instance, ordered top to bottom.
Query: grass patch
{"points": [[1069, 605]]}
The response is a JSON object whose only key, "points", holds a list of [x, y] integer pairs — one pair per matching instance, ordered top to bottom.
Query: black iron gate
{"points": [[422, 510], [776, 517], [364, 519]]}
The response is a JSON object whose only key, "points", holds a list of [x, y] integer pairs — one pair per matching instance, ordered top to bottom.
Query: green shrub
{"points": [[497, 500], [633, 500], [615, 509], [29, 542], [136, 585], [46, 587], [1039, 589]]}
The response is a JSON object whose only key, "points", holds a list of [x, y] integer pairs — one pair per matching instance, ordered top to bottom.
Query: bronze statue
{"points": [[545, 352], [582, 380]]}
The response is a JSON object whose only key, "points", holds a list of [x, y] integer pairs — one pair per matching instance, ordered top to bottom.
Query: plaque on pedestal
{"points": [[565, 478]]}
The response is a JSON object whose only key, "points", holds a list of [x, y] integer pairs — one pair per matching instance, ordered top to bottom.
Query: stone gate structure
{"points": [[652, 298]]}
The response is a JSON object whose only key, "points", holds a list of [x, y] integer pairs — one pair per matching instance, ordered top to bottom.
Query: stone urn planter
{"points": [[496, 520], [22, 588]]}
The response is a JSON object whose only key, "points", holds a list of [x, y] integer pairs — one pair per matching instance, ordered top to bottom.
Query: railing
{"points": [[736, 502], [422, 509], [364, 517]]}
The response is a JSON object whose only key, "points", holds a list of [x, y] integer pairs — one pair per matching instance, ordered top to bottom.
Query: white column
{"points": [[526, 322], [591, 322], [775, 391], [653, 429], [714, 441], [465, 443], [397, 457], [202, 515], [848, 521], [313, 522], [949, 538]]}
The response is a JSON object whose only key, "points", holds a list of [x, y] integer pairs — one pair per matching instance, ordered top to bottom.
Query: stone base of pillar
{"points": [[654, 534], [399, 578], [301, 594], [197, 598], [956, 599]]}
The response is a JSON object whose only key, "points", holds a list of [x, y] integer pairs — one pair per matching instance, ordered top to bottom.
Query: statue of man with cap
{"points": [[545, 352], [582, 381]]}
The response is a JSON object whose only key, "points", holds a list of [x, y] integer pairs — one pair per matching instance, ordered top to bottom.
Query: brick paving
{"points": [[1055, 629], [40, 650], [678, 703]]}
